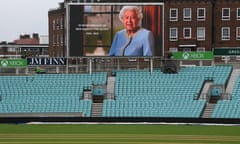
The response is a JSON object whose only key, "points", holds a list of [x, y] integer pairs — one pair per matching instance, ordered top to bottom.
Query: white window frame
{"points": [[238, 14], [187, 17], [200, 17], [226, 17], [172, 18], [62, 23], [54, 24], [57, 24], [190, 33], [201, 33], [237, 33], [227, 35], [173, 37], [57, 38], [62, 39], [54, 42], [11, 49], [173, 49], [186, 49], [201, 49]]}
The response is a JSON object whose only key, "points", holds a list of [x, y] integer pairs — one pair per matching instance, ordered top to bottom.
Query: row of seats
{"points": [[219, 74], [158, 88], [47, 92], [137, 93], [140, 93], [83, 106], [229, 108], [153, 109]]}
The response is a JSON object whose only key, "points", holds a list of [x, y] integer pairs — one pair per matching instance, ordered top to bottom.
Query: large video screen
{"points": [[92, 29]]}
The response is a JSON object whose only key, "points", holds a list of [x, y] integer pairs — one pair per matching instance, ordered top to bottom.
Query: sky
{"points": [[24, 17]]}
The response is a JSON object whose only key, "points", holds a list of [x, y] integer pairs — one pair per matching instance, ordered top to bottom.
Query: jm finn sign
{"points": [[46, 61]]}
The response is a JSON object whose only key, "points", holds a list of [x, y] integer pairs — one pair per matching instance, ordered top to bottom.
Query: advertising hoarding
{"points": [[226, 51], [193, 55], [46, 61], [9, 63]]}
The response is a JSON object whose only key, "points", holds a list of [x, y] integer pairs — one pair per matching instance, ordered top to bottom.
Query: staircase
{"points": [[232, 80], [110, 88], [205, 91], [210, 106], [97, 107], [96, 110], [208, 110]]}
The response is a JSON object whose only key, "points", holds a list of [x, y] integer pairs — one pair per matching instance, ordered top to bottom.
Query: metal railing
{"points": [[91, 64]]}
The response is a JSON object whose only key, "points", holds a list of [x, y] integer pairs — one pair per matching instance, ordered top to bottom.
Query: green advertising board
{"points": [[226, 51], [193, 55], [13, 63]]}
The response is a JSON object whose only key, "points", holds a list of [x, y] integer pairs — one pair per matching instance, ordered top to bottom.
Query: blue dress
{"points": [[141, 44]]}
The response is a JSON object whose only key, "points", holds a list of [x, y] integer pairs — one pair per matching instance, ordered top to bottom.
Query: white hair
{"points": [[133, 8]]}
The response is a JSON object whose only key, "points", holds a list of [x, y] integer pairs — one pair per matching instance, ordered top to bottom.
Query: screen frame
{"points": [[148, 3]]}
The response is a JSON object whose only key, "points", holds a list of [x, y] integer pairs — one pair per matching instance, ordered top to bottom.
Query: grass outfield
{"points": [[117, 134]]}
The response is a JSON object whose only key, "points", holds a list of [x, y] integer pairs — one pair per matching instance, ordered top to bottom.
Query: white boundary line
{"points": [[131, 123]]}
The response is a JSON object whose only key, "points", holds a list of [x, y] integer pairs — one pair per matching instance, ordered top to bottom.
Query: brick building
{"points": [[226, 23], [188, 25], [202, 25], [57, 30], [27, 39], [25, 46]]}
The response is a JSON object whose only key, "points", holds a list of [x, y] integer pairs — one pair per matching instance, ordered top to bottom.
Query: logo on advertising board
{"points": [[193, 55], [13, 62], [4, 63]]}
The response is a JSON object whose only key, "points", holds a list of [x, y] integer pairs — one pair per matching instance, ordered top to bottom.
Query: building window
{"points": [[225, 13], [238, 13], [173, 14], [187, 14], [201, 14], [62, 23], [54, 24], [58, 24], [187, 33], [201, 33], [225, 33], [238, 33], [173, 34], [57, 38], [62, 38], [54, 40], [10, 49], [186, 49], [200, 49], [173, 50]]}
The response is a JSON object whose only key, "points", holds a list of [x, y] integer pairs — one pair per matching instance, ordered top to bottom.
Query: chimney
{"points": [[25, 36], [35, 36]]}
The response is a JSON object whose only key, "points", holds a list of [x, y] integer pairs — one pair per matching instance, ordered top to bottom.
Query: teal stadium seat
{"points": [[47, 93], [138, 93], [143, 94], [229, 108]]}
